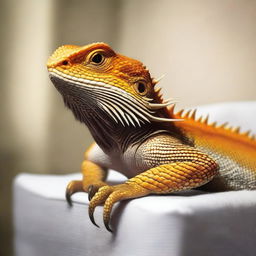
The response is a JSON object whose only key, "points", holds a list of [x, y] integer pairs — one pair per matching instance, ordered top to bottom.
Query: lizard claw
{"points": [[73, 187], [93, 189], [91, 192], [68, 198], [91, 211], [106, 223]]}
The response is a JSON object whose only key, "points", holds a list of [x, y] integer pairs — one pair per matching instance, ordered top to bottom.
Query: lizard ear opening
{"points": [[141, 88]]}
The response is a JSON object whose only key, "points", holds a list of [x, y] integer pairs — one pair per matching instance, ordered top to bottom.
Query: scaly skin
{"points": [[138, 135]]}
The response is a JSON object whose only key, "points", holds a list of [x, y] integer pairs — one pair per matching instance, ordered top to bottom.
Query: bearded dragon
{"points": [[140, 135]]}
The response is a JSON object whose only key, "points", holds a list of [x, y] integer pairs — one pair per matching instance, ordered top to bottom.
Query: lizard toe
{"points": [[115, 196], [98, 199]]}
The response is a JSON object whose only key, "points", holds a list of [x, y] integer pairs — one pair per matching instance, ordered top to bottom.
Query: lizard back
{"points": [[235, 152]]}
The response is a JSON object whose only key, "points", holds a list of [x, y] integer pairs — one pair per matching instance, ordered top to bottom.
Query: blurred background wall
{"points": [[206, 49]]}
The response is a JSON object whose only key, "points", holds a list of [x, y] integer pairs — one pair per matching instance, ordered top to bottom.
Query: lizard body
{"points": [[137, 134]]}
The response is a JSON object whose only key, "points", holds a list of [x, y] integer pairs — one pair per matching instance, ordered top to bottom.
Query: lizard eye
{"points": [[97, 58], [141, 87]]}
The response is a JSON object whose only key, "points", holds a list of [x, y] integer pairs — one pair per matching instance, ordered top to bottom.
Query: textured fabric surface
{"points": [[189, 223]]}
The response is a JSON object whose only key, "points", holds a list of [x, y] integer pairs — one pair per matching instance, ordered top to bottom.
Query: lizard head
{"points": [[94, 76]]}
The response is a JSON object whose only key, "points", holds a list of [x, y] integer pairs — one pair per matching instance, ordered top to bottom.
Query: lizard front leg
{"points": [[93, 178], [162, 179]]}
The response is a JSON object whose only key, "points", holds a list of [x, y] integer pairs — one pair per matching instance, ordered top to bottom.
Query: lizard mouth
{"points": [[121, 106]]}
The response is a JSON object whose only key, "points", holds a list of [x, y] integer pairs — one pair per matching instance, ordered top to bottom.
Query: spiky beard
{"points": [[84, 96]]}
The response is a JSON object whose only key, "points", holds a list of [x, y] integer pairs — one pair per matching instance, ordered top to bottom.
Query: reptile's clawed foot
{"points": [[108, 195]]}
